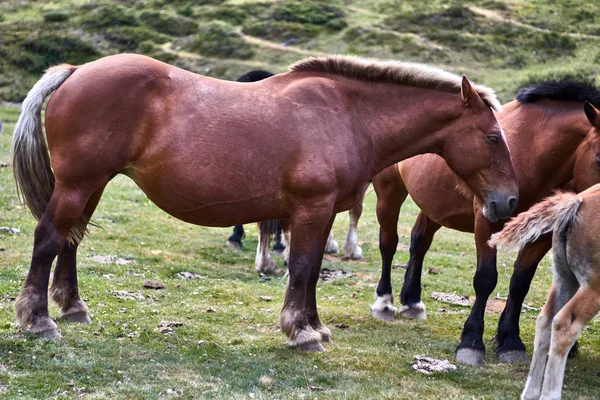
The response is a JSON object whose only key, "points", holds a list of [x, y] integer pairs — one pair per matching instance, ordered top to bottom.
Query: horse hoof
{"points": [[234, 245], [332, 247], [353, 254], [414, 311], [388, 313], [79, 316], [45, 328], [51, 334], [311, 346], [469, 356], [513, 357]]}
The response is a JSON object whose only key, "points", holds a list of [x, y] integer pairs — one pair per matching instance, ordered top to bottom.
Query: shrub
{"points": [[306, 12], [232, 14], [56, 16], [109, 16], [168, 23], [128, 38], [220, 39], [43, 51]]}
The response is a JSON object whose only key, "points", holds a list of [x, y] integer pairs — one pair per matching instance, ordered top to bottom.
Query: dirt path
{"points": [[496, 16], [276, 46]]}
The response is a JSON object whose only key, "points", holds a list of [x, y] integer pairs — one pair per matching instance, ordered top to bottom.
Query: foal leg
{"points": [[391, 193], [308, 228], [286, 239], [420, 240], [278, 247], [351, 248], [263, 262], [64, 290], [31, 308], [566, 328], [541, 345], [510, 348], [471, 349]]}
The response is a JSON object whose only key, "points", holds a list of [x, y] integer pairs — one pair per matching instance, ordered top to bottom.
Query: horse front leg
{"points": [[308, 227], [420, 240], [264, 262], [311, 293], [31, 308], [510, 348], [471, 349]]}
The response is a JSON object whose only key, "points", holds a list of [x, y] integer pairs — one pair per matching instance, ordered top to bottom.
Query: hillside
{"points": [[500, 43]]}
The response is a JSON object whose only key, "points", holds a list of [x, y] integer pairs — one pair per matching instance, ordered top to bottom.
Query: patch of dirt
{"points": [[110, 260], [188, 275], [328, 275], [153, 285], [127, 295], [451, 298], [428, 365]]}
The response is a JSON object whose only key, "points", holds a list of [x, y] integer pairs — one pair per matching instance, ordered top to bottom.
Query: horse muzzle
{"points": [[499, 206]]}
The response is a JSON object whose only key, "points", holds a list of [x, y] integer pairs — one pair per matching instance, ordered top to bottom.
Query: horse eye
{"points": [[492, 139], [597, 161]]}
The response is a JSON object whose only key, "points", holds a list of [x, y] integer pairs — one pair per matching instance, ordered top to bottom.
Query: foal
{"points": [[327, 126], [574, 297]]}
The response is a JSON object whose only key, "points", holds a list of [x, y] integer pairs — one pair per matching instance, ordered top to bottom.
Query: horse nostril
{"points": [[512, 203]]}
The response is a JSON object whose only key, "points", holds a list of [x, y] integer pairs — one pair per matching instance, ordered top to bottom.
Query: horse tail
{"points": [[31, 161], [554, 213]]}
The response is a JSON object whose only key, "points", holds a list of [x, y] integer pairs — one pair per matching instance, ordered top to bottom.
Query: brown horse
{"points": [[326, 127], [552, 146], [574, 297]]}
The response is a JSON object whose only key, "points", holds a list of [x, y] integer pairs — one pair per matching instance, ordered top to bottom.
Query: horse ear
{"points": [[466, 90], [592, 114]]}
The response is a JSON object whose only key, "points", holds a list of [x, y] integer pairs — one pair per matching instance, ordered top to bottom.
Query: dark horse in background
{"points": [[194, 143], [553, 146]]}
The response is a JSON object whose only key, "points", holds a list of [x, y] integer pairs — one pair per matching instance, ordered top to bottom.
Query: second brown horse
{"points": [[553, 145]]}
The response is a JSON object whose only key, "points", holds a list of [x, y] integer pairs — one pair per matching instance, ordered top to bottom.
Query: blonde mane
{"points": [[403, 73]]}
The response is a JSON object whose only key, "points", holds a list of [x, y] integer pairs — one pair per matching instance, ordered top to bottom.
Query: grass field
{"points": [[228, 345], [237, 351]]}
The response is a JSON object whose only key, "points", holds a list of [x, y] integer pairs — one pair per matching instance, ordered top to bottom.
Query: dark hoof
{"points": [[234, 245], [278, 249], [80, 316], [311, 346], [469, 356], [513, 357]]}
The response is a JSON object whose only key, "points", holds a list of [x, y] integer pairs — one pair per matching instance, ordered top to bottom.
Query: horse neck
{"points": [[401, 121], [553, 131]]}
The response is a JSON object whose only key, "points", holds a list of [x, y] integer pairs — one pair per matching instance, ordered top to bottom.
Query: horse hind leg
{"points": [[63, 212], [352, 250], [263, 262], [64, 290]]}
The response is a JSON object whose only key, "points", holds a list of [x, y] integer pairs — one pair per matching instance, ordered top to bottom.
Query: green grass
{"points": [[224, 354], [227, 354]]}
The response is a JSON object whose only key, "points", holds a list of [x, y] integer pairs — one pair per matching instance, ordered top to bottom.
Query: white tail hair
{"points": [[31, 161], [554, 213]]}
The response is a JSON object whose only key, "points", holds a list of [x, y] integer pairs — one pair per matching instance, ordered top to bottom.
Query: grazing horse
{"points": [[194, 143], [552, 146], [574, 297]]}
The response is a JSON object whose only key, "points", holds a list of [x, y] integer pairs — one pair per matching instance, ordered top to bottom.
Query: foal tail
{"points": [[31, 161], [554, 213]]}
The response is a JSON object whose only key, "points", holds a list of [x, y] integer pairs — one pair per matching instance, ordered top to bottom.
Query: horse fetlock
{"points": [[234, 245], [332, 246], [265, 265], [26, 303], [383, 309], [413, 311], [325, 333], [469, 356]]}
